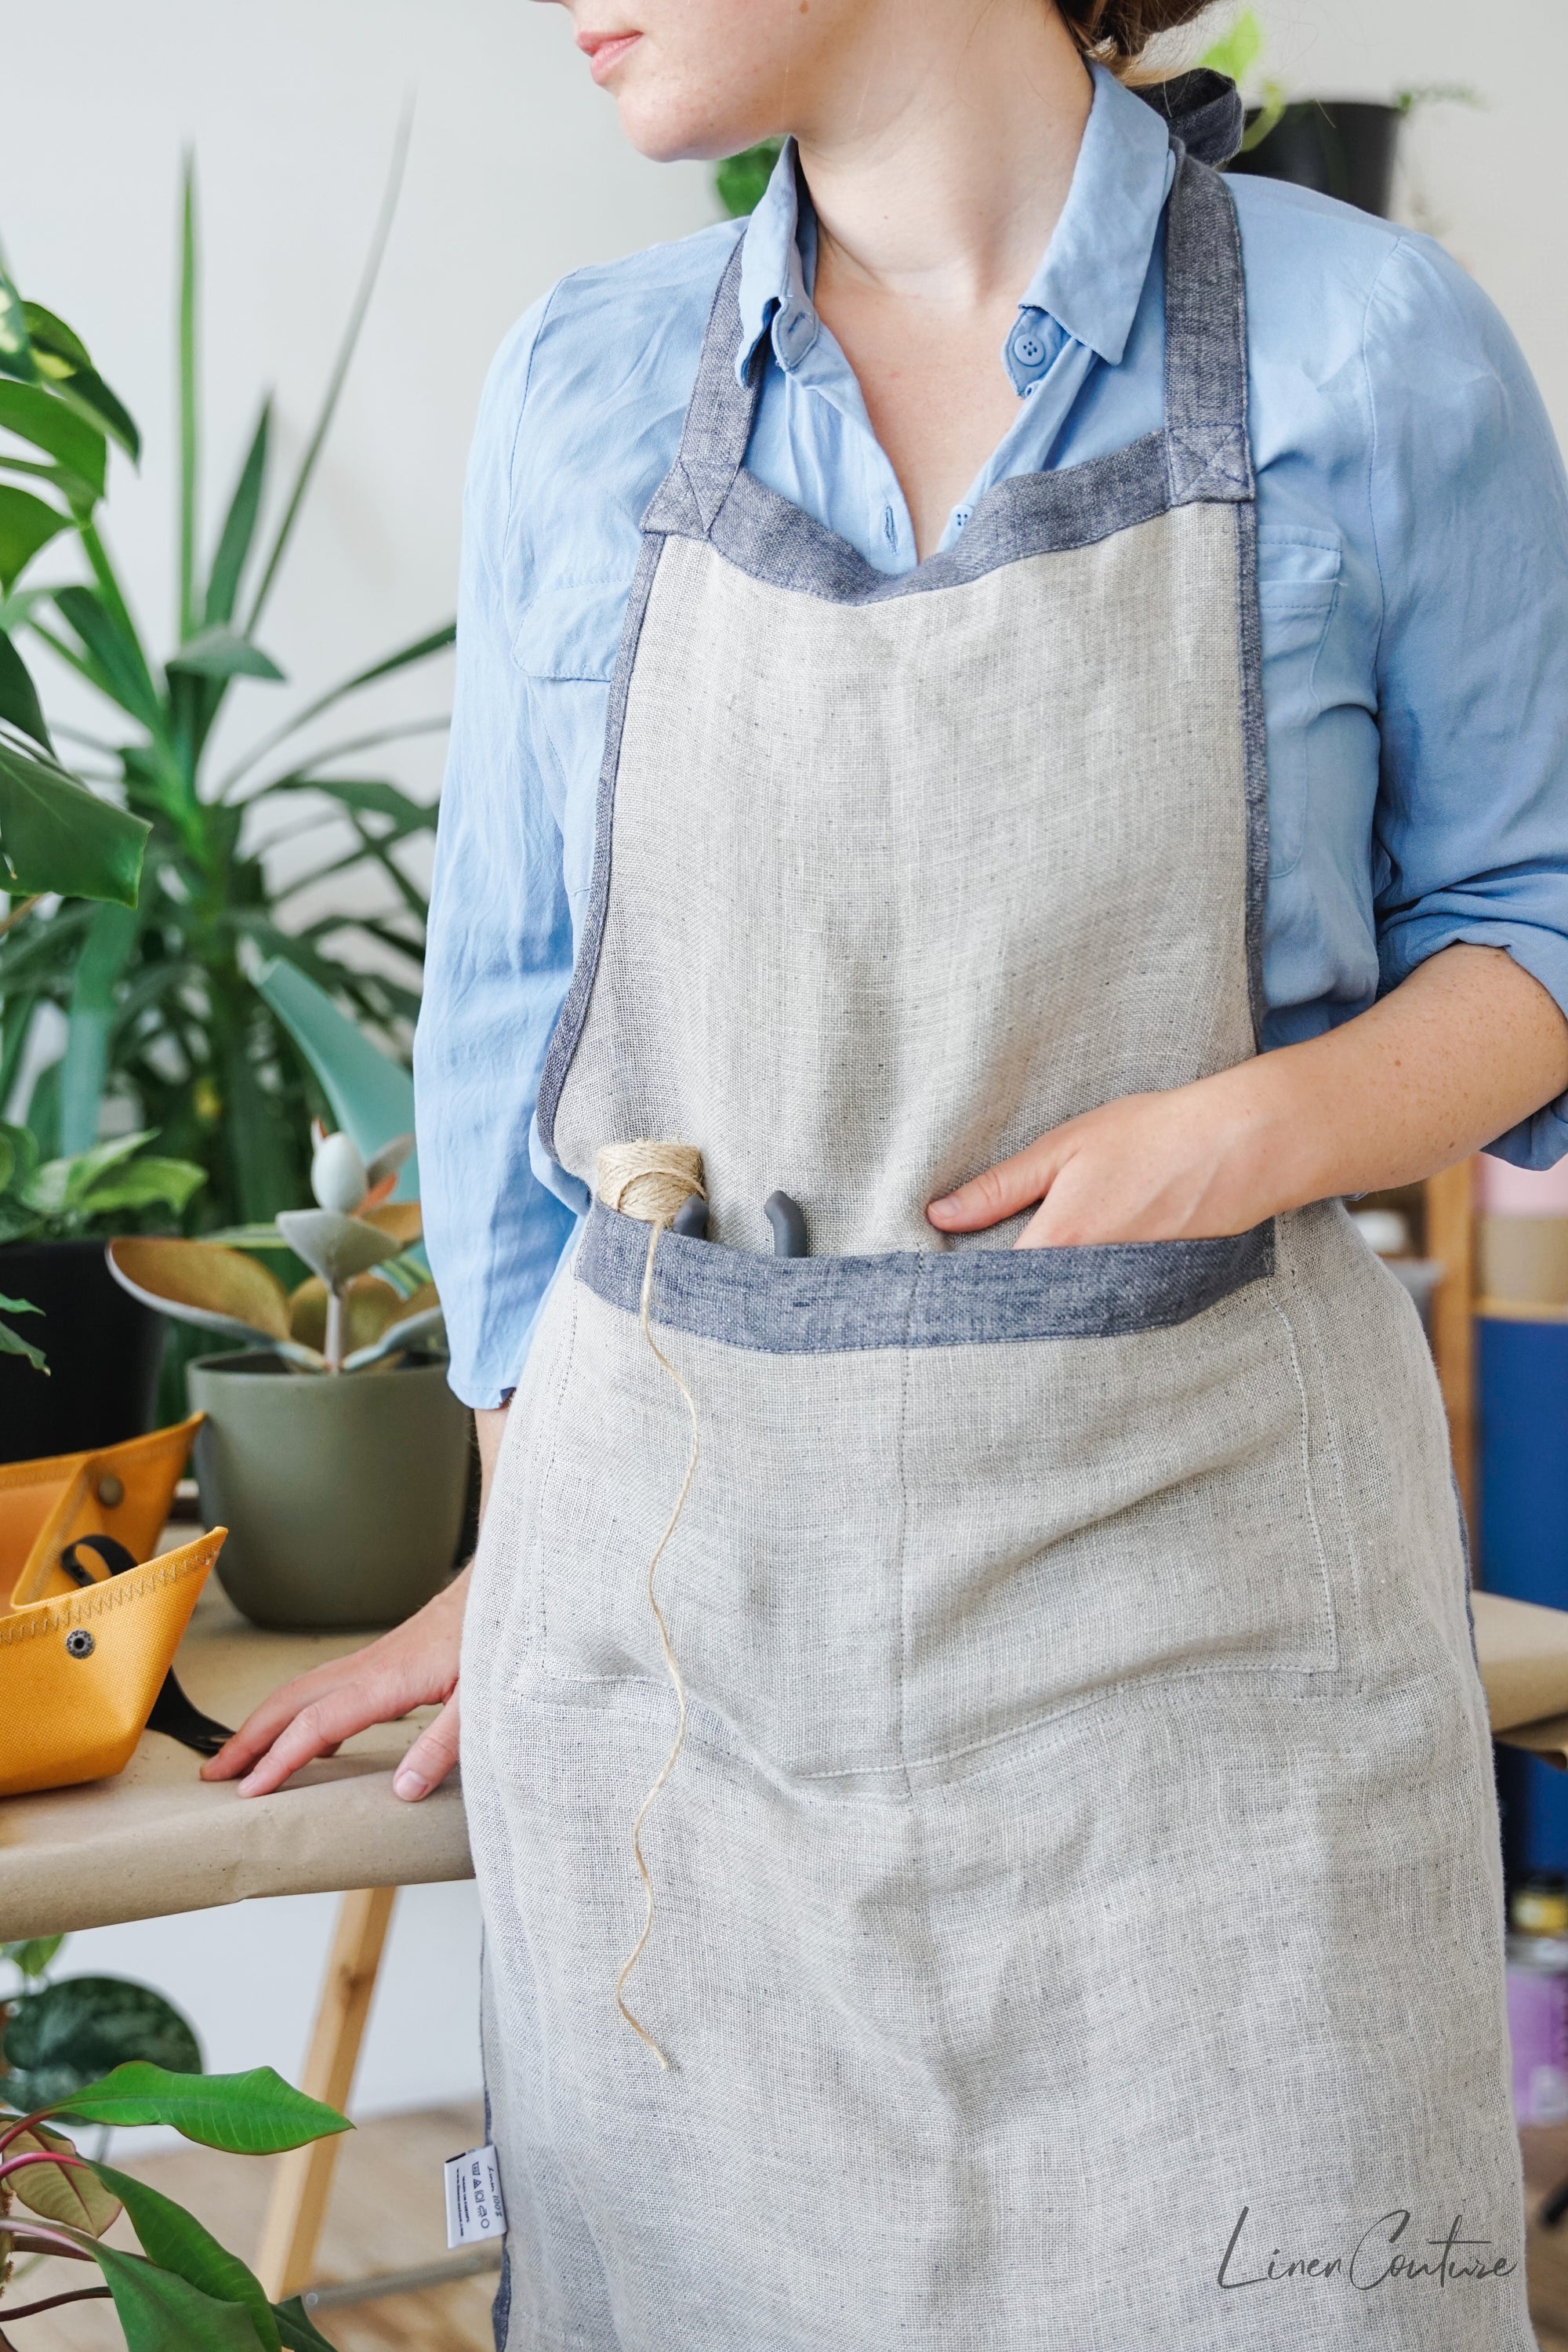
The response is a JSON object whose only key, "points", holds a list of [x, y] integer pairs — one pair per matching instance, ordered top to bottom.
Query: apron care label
{"points": [[474, 2208]]}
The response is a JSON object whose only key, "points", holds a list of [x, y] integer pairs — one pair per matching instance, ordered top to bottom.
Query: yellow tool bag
{"points": [[89, 1623]]}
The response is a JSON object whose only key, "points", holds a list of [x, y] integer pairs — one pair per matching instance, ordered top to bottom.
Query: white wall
{"points": [[517, 174]]}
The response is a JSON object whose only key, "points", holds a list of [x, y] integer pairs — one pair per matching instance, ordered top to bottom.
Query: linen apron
{"points": [[1079, 1901]]}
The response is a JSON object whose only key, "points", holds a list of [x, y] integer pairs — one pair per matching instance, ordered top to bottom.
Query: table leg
{"points": [[285, 2262]]}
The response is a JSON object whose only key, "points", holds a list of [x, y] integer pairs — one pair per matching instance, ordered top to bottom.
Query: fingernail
{"points": [[409, 1784], [247, 1786]]}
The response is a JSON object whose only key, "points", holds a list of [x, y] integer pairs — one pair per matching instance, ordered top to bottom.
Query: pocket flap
{"points": [[1297, 569]]}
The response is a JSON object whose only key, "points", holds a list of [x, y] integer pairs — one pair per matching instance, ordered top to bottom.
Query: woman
{"points": [[1078, 1903]]}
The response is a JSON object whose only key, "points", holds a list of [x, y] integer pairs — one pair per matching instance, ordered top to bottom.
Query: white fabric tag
{"points": [[474, 2208]]}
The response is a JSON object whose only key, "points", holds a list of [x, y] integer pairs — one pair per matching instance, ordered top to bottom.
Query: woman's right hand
{"points": [[413, 1666]]}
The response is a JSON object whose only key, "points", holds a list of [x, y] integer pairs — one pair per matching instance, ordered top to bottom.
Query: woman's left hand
{"points": [[1447, 1062], [1151, 1167]]}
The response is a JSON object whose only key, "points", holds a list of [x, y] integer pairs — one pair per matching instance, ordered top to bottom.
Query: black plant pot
{"points": [[1341, 147], [104, 1346]]}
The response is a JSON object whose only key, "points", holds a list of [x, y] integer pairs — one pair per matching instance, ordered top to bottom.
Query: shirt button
{"points": [[1028, 348], [960, 515]]}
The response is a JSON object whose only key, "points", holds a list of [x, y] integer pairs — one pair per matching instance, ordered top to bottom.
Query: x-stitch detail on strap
{"points": [[1208, 462]]}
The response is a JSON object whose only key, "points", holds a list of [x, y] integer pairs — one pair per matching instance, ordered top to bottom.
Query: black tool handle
{"points": [[788, 1219]]}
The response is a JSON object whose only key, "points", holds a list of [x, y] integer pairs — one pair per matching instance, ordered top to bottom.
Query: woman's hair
{"points": [[1117, 31]]}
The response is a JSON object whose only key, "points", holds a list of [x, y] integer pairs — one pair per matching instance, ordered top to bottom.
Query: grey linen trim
{"points": [[936, 1299]]}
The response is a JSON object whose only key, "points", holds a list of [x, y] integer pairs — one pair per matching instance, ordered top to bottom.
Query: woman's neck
{"points": [[940, 163], [937, 183]]}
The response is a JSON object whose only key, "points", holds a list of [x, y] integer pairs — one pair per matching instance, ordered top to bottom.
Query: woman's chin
{"points": [[674, 134]]}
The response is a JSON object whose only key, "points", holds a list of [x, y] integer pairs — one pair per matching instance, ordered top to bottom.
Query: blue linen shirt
{"points": [[1414, 567]]}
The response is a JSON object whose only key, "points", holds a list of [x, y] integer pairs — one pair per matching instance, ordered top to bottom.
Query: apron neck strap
{"points": [[719, 420], [1208, 450]]}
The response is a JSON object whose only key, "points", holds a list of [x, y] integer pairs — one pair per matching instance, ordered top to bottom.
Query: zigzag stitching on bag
{"points": [[100, 1603]]}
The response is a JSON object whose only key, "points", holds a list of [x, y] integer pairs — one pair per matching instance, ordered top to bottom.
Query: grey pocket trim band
{"points": [[936, 1299]]}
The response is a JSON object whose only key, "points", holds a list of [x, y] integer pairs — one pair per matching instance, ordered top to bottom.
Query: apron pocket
{"points": [[1094, 1517], [782, 1583]]}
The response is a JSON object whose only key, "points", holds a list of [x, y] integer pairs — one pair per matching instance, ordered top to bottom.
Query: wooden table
{"points": [[159, 1839]]}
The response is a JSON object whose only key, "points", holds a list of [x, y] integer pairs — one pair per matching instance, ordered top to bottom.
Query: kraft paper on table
{"points": [[1523, 1651], [161, 1840]]}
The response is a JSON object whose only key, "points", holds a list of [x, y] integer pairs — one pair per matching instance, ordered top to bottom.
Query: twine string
{"points": [[654, 1182]]}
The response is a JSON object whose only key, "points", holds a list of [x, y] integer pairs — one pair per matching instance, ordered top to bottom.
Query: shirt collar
{"points": [[1090, 279]]}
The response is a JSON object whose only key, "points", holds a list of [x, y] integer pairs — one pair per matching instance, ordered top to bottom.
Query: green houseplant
{"points": [[56, 419], [158, 997], [105, 1350], [342, 1388], [183, 2291]]}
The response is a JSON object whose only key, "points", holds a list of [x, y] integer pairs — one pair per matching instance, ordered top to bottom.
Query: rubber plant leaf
{"points": [[221, 652], [19, 704], [56, 836], [390, 1159], [7, 1169], [338, 1177], [402, 1220], [336, 1247], [216, 1289], [369, 1306], [405, 1332], [75, 2030], [257, 2114], [71, 2193], [176, 2242], [161, 2312], [296, 2327]]}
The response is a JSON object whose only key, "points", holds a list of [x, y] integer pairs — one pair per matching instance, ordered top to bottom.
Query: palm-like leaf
{"points": [[171, 1024]]}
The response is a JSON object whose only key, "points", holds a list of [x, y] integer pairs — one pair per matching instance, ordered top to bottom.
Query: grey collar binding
{"points": [[1203, 111], [1203, 452]]}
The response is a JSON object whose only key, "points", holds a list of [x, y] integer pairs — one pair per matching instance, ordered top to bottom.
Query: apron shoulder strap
{"points": [[719, 420], [1209, 449]]}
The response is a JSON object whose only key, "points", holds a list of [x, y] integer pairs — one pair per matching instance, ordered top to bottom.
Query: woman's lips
{"points": [[606, 50]]}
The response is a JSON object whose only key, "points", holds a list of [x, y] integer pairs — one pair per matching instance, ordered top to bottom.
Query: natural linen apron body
{"points": [[1079, 1901]]}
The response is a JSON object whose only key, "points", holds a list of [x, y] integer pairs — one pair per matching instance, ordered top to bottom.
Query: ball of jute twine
{"points": [[652, 1183]]}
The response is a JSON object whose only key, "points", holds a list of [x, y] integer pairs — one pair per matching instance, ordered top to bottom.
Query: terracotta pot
{"points": [[343, 1496]]}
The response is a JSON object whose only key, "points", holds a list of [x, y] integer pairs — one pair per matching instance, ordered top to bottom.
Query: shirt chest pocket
{"points": [[1297, 593], [570, 632]]}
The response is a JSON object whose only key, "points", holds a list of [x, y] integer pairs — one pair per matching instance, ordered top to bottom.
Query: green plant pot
{"points": [[344, 1497]]}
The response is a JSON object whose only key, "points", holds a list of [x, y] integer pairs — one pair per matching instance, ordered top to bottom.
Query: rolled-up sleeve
{"points": [[1470, 516], [498, 956]]}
